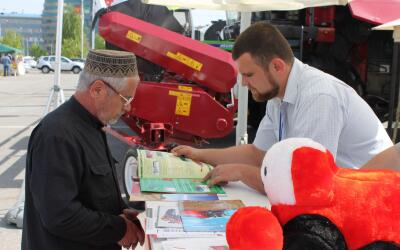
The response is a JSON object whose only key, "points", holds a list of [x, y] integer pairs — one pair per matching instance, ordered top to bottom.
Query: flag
{"points": [[77, 9]]}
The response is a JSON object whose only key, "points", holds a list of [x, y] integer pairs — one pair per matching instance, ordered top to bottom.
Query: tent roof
{"points": [[246, 5], [375, 12], [8, 49]]}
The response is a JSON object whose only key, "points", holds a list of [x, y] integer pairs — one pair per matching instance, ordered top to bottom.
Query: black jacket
{"points": [[72, 198]]}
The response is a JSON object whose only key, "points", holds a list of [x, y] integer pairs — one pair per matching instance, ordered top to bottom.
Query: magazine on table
{"points": [[162, 172], [143, 196], [168, 216], [207, 216], [159, 227]]}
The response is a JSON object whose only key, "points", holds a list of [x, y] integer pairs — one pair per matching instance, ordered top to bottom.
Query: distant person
{"points": [[6, 61], [302, 102], [73, 200]]}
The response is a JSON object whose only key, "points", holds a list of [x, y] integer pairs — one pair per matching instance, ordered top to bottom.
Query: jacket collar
{"points": [[84, 114]]}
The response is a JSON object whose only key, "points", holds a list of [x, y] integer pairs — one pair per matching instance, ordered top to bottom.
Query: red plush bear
{"points": [[322, 206]]}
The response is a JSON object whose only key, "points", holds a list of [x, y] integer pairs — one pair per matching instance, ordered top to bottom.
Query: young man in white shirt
{"points": [[302, 102]]}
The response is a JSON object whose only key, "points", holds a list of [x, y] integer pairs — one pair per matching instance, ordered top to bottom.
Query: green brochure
{"points": [[163, 172]]}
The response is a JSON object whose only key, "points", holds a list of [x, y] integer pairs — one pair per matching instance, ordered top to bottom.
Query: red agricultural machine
{"points": [[185, 94]]}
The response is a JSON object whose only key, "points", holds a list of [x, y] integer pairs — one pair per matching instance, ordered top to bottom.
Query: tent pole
{"points": [[241, 127]]}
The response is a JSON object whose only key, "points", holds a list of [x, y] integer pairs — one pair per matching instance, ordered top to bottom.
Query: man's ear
{"points": [[277, 65], [97, 89]]}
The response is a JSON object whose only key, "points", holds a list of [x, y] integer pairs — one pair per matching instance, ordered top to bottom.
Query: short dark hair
{"points": [[264, 42]]}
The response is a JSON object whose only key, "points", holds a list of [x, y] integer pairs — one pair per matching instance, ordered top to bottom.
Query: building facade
{"points": [[49, 20], [29, 26]]}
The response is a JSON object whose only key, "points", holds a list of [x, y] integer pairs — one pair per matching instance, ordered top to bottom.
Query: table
{"points": [[234, 190]]}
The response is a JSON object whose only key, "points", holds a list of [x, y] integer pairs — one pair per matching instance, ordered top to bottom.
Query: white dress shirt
{"points": [[319, 106]]}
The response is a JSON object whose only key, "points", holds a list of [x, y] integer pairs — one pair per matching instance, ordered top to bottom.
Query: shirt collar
{"points": [[293, 81], [84, 114]]}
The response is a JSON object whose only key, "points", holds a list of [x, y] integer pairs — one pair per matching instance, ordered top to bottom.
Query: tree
{"points": [[71, 23], [13, 39], [99, 42], [71, 44], [71, 48], [37, 51]]}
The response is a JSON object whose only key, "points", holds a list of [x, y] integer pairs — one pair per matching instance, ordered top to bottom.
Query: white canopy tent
{"points": [[246, 7]]}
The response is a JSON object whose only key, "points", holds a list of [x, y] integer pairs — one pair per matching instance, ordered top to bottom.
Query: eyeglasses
{"points": [[127, 100]]}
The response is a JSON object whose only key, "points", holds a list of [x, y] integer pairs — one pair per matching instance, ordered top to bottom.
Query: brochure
{"points": [[157, 164], [162, 172], [193, 186], [172, 197], [168, 216], [207, 216], [152, 222]]}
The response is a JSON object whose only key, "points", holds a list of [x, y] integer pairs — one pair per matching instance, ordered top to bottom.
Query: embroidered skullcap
{"points": [[111, 63]]}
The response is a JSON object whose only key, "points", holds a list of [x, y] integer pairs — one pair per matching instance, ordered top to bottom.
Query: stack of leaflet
{"points": [[182, 212], [174, 225]]}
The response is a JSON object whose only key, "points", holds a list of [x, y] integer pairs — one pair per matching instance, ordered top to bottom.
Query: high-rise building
{"points": [[49, 19], [29, 26]]}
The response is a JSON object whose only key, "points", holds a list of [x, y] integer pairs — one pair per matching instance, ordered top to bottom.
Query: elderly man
{"points": [[303, 102], [72, 196]]}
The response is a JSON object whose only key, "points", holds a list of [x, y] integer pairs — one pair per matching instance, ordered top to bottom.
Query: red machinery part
{"points": [[323, 16], [195, 61], [188, 109]]}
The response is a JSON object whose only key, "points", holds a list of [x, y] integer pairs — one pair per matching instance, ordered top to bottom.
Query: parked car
{"points": [[29, 62], [46, 64]]}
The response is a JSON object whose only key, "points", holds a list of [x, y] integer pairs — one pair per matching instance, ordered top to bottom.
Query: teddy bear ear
{"points": [[312, 173], [254, 228]]}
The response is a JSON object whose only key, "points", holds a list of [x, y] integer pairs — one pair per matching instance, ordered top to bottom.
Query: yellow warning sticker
{"points": [[133, 36], [190, 62], [186, 88], [183, 102]]}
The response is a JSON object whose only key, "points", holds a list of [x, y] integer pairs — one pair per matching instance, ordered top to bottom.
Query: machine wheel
{"points": [[45, 70], [76, 70], [129, 170], [312, 232]]}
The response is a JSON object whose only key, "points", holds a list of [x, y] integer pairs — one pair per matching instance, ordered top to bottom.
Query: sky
{"points": [[25, 6], [200, 17]]}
